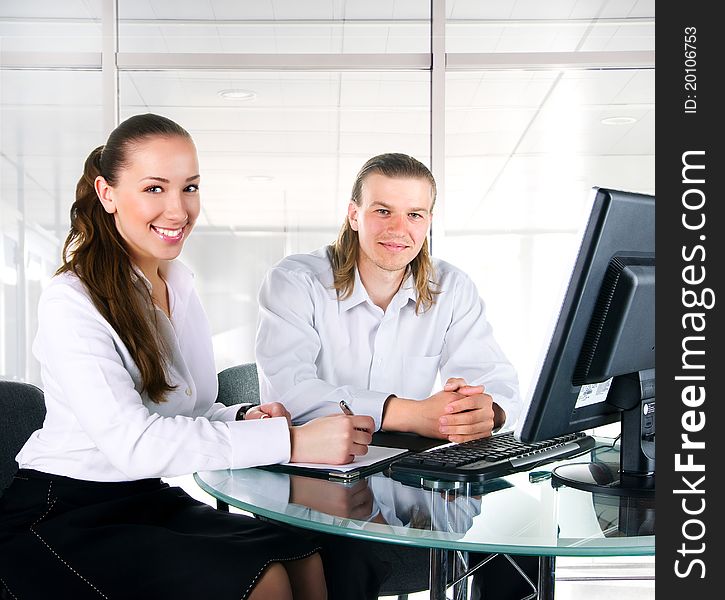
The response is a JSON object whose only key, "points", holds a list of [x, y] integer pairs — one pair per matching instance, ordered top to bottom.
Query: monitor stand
{"points": [[634, 474], [625, 516]]}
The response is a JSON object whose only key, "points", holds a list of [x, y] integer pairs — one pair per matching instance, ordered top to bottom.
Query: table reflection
{"points": [[513, 514]]}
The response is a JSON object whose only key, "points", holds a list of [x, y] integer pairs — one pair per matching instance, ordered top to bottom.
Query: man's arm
{"points": [[287, 347], [481, 394], [418, 416]]}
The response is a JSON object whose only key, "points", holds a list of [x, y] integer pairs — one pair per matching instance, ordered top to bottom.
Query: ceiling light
{"points": [[237, 94], [619, 121]]}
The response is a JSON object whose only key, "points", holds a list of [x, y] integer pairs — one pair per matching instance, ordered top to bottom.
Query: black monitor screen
{"points": [[599, 363]]}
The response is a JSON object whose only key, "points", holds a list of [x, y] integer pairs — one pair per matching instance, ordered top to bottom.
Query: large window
{"points": [[518, 107], [49, 122], [523, 150]]}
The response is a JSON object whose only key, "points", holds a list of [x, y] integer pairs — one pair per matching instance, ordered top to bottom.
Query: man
{"points": [[374, 320]]}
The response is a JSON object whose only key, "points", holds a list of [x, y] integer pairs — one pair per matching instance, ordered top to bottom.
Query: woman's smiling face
{"points": [[155, 201]]}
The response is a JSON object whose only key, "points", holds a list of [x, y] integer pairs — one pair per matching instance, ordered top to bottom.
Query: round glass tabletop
{"points": [[521, 513]]}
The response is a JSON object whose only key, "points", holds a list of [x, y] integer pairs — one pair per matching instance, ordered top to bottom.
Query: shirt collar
{"points": [[173, 272], [177, 276], [139, 278], [407, 291], [359, 294]]}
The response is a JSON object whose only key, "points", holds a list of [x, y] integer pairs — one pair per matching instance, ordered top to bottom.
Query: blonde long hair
{"points": [[343, 253]]}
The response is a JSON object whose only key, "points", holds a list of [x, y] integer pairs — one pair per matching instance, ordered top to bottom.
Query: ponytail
{"points": [[96, 253]]}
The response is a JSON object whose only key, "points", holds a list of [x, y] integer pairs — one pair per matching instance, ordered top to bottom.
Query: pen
{"points": [[348, 411]]}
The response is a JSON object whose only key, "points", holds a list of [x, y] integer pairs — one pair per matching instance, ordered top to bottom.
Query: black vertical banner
{"points": [[690, 299]]}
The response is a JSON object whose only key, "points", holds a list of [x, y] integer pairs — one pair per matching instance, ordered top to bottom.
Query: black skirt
{"points": [[67, 538]]}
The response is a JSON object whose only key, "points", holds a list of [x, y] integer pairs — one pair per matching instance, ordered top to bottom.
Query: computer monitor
{"points": [[598, 366]]}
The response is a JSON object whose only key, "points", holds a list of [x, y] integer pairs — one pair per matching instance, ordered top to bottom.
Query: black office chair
{"points": [[238, 384], [22, 411]]}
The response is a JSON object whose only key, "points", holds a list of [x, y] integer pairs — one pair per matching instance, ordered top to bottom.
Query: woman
{"points": [[129, 380]]}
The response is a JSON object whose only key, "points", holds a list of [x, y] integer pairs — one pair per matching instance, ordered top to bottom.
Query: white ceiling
{"points": [[227, 10], [330, 26]]}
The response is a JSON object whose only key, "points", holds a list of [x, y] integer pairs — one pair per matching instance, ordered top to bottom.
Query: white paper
{"points": [[375, 454]]}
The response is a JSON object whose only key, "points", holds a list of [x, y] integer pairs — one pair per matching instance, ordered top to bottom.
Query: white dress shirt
{"points": [[313, 351], [100, 426]]}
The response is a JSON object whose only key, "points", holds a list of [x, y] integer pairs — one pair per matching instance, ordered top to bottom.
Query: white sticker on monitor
{"points": [[593, 393]]}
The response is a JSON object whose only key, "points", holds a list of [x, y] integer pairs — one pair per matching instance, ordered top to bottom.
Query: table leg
{"points": [[547, 564], [460, 568], [438, 573], [439, 576], [460, 590]]}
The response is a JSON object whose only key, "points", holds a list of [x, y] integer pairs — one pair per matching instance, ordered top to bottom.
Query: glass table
{"points": [[520, 514]]}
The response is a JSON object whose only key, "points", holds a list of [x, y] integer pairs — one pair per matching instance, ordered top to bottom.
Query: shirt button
{"points": [[188, 391]]}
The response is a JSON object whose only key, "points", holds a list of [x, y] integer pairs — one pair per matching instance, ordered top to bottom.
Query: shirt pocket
{"points": [[419, 376]]}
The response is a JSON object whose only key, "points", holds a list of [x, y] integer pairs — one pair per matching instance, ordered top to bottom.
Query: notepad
{"points": [[375, 460]]}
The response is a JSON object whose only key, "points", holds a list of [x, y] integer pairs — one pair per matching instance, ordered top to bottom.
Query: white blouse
{"points": [[313, 351], [100, 426]]}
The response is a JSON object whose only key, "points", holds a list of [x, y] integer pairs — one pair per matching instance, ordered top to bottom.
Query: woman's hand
{"points": [[270, 409], [335, 439]]}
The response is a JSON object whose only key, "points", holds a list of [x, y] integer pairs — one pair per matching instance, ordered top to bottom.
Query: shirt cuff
{"points": [[364, 402], [511, 408], [219, 412], [259, 442]]}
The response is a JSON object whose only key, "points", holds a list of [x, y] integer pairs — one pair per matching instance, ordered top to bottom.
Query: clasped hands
{"points": [[460, 412], [468, 412]]}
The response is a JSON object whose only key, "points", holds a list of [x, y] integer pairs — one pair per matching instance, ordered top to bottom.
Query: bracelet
{"points": [[244, 408]]}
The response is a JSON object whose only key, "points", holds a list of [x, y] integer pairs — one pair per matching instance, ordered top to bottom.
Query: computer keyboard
{"points": [[486, 458]]}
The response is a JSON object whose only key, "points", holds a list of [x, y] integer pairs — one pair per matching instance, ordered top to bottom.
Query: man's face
{"points": [[392, 220]]}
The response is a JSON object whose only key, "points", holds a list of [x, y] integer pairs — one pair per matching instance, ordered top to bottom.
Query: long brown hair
{"points": [[96, 253], [343, 253]]}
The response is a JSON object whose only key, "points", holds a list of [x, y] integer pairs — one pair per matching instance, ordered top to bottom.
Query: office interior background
{"points": [[519, 107]]}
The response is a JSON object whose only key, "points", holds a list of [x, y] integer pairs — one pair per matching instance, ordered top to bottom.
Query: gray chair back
{"points": [[238, 384], [22, 411]]}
